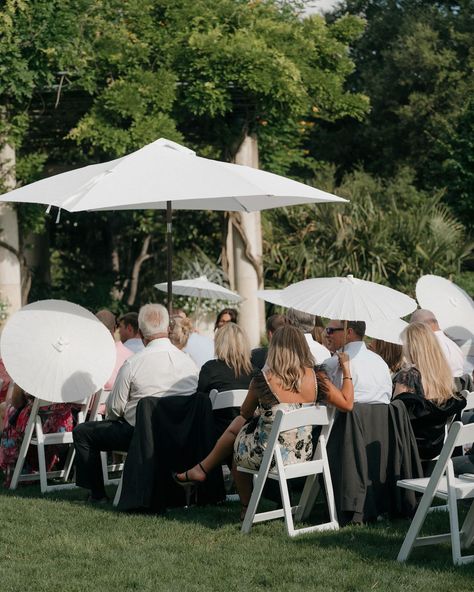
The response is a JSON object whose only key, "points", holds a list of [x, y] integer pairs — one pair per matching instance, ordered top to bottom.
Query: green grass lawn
{"points": [[56, 542]]}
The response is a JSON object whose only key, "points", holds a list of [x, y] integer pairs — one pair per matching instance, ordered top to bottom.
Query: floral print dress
{"points": [[57, 417], [251, 442]]}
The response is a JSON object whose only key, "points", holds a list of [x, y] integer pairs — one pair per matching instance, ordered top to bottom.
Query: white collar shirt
{"points": [[135, 344], [452, 352], [320, 353], [159, 370], [370, 374]]}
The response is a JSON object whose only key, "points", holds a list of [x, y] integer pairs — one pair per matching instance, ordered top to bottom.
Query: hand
{"points": [[344, 360]]}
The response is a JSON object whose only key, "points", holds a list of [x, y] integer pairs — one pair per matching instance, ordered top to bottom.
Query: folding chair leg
{"points": [[24, 446], [41, 456], [69, 462], [118, 493], [285, 498], [254, 499], [415, 526], [467, 531]]}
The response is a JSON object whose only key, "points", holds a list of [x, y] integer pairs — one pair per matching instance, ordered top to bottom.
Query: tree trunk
{"points": [[244, 254], [144, 255], [10, 269]]}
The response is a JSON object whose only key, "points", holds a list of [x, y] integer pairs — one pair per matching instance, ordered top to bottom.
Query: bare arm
{"points": [[18, 397], [341, 399], [250, 404]]}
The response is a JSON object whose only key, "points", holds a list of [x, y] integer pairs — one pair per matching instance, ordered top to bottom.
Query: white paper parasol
{"points": [[200, 287], [272, 296], [347, 298], [452, 306], [386, 330], [57, 351]]}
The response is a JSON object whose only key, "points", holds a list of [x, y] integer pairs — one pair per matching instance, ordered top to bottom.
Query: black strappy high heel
{"points": [[188, 484]]}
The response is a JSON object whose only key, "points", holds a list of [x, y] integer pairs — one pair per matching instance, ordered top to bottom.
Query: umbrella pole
{"points": [[169, 255], [345, 335]]}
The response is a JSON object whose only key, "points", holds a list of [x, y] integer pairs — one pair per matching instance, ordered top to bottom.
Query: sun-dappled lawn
{"points": [[58, 542]]}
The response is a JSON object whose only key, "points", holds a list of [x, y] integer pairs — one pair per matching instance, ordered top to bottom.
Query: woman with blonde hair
{"points": [[180, 331], [232, 369], [288, 381], [426, 387]]}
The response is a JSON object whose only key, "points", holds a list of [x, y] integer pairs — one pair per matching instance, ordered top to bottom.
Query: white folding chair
{"points": [[100, 398], [226, 399], [469, 400], [306, 416], [35, 436], [444, 485]]}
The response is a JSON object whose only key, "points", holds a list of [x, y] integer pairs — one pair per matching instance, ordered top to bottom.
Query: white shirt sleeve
{"points": [[120, 394]]}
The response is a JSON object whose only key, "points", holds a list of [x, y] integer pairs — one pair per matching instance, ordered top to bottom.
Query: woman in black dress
{"points": [[230, 370], [426, 387]]}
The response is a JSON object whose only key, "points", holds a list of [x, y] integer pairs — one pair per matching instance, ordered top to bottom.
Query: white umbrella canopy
{"points": [[165, 171], [166, 175], [200, 287], [272, 296], [347, 298], [452, 306], [389, 331], [57, 351]]}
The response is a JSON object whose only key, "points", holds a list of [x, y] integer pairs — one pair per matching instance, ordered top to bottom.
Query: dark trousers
{"points": [[90, 438]]}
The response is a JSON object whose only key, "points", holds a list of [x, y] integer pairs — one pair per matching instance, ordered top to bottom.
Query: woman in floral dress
{"points": [[288, 381], [57, 417]]}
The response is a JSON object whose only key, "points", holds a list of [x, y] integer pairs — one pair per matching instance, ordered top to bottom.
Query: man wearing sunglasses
{"points": [[370, 374]]}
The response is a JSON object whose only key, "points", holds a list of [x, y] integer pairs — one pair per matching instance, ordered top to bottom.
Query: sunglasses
{"points": [[331, 330]]}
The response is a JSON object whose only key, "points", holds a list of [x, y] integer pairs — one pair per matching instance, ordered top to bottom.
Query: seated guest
{"points": [[227, 315], [305, 323], [181, 329], [129, 333], [199, 347], [451, 350], [122, 353], [391, 353], [259, 354], [161, 369], [231, 370], [371, 375], [288, 381], [426, 387], [56, 417]]}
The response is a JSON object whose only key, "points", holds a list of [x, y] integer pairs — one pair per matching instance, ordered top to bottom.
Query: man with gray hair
{"points": [[305, 322], [451, 350], [159, 370]]}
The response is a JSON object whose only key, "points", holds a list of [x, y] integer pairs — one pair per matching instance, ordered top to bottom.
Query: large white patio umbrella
{"points": [[166, 175], [347, 298], [389, 331], [57, 351]]}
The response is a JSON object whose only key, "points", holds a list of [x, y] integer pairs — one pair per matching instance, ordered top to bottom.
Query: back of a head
{"points": [[421, 315], [107, 318], [130, 318], [153, 320], [301, 320], [276, 321], [358, 327], [180, 330], [232, 347], [421, 348], [391, 353], [288, 356]]}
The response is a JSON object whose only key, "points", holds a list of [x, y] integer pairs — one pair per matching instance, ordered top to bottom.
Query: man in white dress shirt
{"points": [[305, 322], [451, 350], [161, 369], [370, 374]]}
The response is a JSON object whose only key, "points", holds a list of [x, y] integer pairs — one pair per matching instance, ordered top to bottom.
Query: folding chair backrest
{"points": [[98, 399], [226, 399], [469, 400], [306, 416]]}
